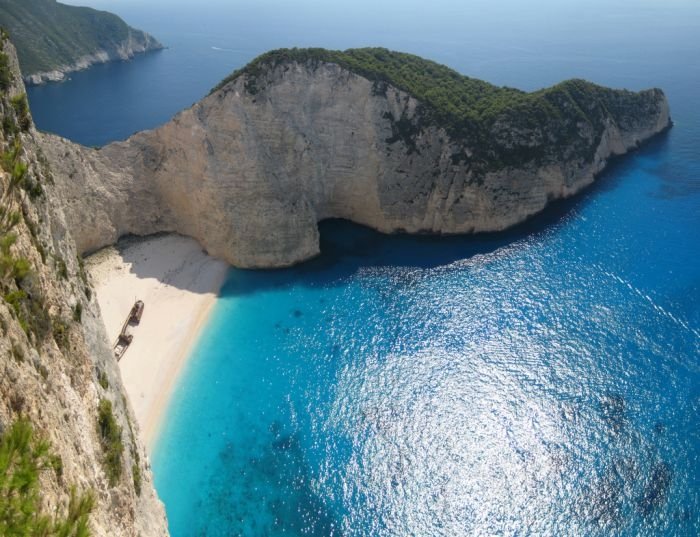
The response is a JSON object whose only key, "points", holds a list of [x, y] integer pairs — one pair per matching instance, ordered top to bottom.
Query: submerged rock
{"points": [[613, 411], [656, 489]]}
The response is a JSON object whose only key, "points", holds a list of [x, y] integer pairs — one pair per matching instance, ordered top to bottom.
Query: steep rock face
{"points": [[251, 169], [55, 361]]}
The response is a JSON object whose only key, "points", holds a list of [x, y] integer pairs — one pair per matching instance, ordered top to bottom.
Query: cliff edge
{"points": [[384, 139], [71, 461]]}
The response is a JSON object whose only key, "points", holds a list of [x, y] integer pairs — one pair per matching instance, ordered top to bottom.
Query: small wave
{"points": [[223, 49], [651, 301]]}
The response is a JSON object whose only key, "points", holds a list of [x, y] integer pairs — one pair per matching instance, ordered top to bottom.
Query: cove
{"points": [[544, 378], [545, 381]]}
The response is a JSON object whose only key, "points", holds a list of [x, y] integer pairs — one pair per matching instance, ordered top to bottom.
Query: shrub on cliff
{"points": [[5, 73], [21, 107], [111, 439], [23, 458]]}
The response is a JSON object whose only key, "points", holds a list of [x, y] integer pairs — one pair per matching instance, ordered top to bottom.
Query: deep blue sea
{"points": [[543, 381]]}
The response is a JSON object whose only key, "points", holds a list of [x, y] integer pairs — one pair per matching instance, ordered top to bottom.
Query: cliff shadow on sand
{"points": [[170, 259]]}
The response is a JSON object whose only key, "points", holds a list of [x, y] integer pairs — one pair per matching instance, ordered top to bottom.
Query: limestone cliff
{"points": [[54, 39], [250, 170], [57, 370]]}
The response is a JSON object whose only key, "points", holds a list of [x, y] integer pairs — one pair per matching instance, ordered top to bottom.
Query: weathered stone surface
{"points": [[251, 175], [56, 385]]}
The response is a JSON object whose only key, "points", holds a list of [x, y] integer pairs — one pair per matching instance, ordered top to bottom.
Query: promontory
{"points": [[55, 39], [385, 139]]}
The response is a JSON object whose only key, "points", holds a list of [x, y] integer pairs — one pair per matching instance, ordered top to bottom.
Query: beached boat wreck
{"points": [[125, 338]]}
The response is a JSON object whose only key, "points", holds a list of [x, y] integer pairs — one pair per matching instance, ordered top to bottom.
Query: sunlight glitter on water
{"points": [[400, 386]]}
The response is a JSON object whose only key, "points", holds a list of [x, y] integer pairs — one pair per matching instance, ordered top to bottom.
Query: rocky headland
{"points": [[55, 39], [380, 138], [71, 458]]}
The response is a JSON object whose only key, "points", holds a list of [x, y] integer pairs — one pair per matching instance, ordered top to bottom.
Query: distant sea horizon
{"points": [[112, 101], [542, 381]]}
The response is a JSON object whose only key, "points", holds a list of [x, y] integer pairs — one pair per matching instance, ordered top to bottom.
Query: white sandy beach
{"points": [[178, 283]]}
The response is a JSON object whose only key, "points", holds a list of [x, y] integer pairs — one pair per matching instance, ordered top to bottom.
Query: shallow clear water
{"points": [[545, 381]]}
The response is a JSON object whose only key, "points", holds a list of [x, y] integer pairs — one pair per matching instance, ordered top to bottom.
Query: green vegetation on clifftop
{"points": [[49, 35], [452, 96], [501, 126]]}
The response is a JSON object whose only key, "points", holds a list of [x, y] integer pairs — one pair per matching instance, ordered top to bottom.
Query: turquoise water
{"points": [[545, 381]]}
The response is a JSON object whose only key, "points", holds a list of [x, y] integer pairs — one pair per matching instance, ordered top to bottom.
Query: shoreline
{"points": [[61, 73], [179, 284], [152, 427]]}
